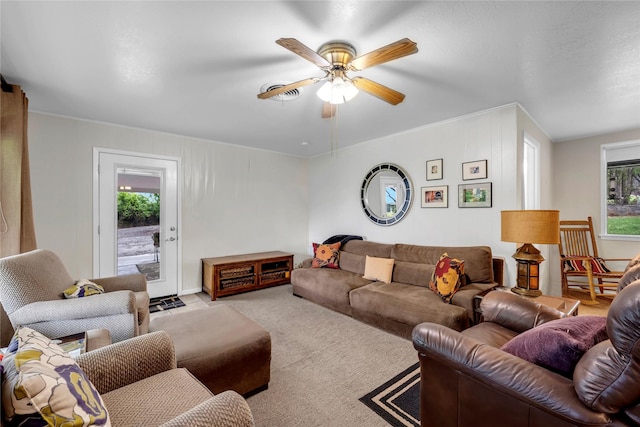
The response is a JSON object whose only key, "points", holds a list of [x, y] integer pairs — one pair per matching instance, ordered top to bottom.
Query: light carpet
{"points": [[322, 361]]}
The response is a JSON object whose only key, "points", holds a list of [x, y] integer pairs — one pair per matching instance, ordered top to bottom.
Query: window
{"points": [[621, 190]]}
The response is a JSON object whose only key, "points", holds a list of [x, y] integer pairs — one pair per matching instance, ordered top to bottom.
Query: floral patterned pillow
{"points": [[326, 255], [447, 277], [83, 288], [43, 386]]}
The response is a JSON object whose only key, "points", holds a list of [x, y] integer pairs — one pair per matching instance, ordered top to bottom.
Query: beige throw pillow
{"points": [[378, 269]]}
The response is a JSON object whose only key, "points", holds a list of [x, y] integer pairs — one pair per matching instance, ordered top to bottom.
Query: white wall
{"points": [[576, 166], [335, 182], [234, 199], [549, 284]]}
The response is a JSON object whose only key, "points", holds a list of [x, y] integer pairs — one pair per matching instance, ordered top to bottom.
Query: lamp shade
{"points": [[530, 226]]}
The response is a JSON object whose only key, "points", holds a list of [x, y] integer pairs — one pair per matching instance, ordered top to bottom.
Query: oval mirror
{"points": [[386, 194]]}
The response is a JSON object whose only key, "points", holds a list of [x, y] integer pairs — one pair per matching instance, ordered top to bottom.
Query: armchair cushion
{"points": [[83, 288], [110, 303], [558, 345], [44, 386]]}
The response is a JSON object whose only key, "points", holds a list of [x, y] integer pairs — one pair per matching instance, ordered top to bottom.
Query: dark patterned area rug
{"points": [[150, 269], [164, 303], [398, 400]]}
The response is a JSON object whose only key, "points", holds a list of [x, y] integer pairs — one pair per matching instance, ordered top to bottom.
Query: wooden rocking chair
{"points": [[580, 264]]}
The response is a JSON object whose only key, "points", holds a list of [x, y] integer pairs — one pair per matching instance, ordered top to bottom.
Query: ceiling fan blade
{"points": [[304, 51], [387, 53], [286, 88], [380, 91], [328, 110]]}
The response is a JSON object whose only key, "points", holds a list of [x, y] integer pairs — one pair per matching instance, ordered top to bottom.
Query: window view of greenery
{"points": [[623, 201], [138, 209]]}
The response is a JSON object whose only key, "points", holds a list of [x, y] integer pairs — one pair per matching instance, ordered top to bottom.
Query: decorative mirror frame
{"points": [[408, 194]]}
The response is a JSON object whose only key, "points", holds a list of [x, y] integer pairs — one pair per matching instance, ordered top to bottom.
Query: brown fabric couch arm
{"points": [[129, 282], [515, 312], [97, 338], [129, 361], [503, 373], [227, 409]]}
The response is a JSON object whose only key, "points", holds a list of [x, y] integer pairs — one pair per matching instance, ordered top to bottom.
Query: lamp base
{"points": [[526, 292]]}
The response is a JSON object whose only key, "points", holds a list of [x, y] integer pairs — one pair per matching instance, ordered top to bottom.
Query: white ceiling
{"points": [[194, 68]]}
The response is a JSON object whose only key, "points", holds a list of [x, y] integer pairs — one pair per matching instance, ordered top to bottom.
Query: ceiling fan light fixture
{"points": [[337, 91]]}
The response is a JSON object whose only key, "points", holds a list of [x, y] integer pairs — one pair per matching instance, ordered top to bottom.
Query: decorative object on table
{"points": [[434, 169], [474, 170], [386, 194], [474, 195], [435, 197], [527, 227], [580, 264]]}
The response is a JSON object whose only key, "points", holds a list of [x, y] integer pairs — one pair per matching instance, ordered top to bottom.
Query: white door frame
{"points": [[96, 205]]}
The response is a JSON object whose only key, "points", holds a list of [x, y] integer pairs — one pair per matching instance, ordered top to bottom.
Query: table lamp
{"points": [[528, 227]]}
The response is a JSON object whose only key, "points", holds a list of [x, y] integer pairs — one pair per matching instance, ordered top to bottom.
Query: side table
{"points": [[568, 306]]}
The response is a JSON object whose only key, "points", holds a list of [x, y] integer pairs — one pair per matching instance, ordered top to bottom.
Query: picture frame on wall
{"points": [[434, 169], [474, 170], [474, 195], [435, 197]]}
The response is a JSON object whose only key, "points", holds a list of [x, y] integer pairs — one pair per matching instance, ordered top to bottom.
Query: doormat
{"points": [[150, 269], [165, 303], [398, 400]]}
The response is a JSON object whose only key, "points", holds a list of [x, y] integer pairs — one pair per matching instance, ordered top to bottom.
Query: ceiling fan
{"points": [[336, 58]]}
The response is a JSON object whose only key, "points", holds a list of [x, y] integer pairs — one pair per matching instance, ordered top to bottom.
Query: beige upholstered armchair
{"points": [[31, 293], [140, 384]]}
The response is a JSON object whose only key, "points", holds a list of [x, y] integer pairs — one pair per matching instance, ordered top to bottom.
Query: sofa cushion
{"points": [[366, 247], [326, 255], [478, 259], [353, 263], [379, 269], [413, 273], [447, 277], [83, 288], [408, 304], [559, 344], [44, 386], [153, 404]]}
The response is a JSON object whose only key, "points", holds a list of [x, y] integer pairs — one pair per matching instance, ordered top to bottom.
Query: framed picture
{"points": [[434, 169], [474, 170], [474, 195], [435, 197]]}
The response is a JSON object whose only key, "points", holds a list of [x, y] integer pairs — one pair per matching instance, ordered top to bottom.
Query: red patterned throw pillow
{"points": [[326, 256], [597, 265], [447, 277]]}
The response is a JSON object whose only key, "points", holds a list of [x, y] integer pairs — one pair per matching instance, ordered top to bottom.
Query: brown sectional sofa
{"points": [[407, 301]]}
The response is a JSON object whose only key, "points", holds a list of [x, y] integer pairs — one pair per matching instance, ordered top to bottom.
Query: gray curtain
{"points": [[17, 232]]}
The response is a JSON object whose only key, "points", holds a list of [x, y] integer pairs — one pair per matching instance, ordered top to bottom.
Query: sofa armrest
{"points": [[306, 263], [498, 270], [129, 282], [106, 304], [515, 312], [128, 361], [508, 375], [225, 409]]}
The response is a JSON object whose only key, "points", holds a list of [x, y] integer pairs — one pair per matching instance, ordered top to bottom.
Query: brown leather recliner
{"points": [[467, 380]]}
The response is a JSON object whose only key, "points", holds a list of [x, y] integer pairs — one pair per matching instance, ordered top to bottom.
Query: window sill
{"points": [[620, 237]]}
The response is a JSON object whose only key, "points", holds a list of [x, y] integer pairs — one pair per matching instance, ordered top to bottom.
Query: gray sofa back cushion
{"points": [[353, 254], [478, 263], [412, 273]]}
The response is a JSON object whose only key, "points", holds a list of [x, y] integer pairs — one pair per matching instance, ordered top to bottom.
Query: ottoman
{"points": [[221, 347]]}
